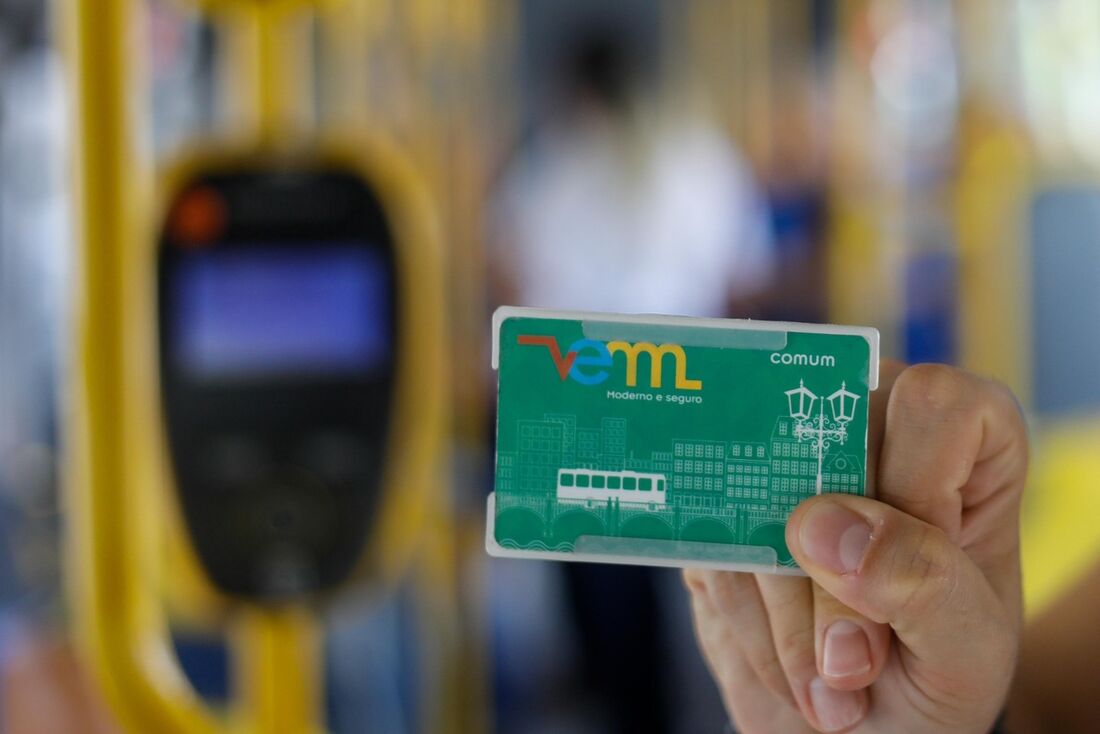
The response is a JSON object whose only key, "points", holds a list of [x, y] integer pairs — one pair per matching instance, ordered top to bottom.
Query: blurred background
{"points": [[928, 168]]}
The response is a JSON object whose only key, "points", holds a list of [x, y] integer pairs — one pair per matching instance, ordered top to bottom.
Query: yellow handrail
{"points": [[118, 625], [279, 669]]}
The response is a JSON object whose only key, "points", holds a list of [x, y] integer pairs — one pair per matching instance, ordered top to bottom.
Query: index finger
{"points": [[954, 455]]}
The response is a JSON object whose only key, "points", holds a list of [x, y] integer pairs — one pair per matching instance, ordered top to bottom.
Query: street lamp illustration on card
{"points": [[820, 431]]}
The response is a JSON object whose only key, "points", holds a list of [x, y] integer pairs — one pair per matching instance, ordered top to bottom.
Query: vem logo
{"points": [[587, 361]]}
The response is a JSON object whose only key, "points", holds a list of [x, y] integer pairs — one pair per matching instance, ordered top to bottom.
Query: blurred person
{"points": [[613, 206]]}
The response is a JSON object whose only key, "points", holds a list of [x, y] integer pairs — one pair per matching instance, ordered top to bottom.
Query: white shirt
{"points": [[674, 226]]}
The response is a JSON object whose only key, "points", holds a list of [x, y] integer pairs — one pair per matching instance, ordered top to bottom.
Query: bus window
{"points": [[566, 479], [582, 480], [597, 481], [614, 482], [628, 482], [645, 484], [660, 485]]}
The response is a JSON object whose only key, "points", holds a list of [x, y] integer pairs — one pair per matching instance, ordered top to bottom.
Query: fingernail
{"points": [[834, 537], [846, 650], [835, 710]]}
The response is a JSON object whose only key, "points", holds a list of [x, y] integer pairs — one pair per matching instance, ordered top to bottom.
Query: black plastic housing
{"points": [[279, 475]]}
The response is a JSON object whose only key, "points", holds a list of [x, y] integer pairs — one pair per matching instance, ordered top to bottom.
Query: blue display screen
{"points": [[281, 311]]}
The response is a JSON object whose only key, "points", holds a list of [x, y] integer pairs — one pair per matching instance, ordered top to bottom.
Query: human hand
{"points": [[910, 618]]}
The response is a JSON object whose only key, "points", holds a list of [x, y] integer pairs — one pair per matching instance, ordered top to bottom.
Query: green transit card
{"points": [[671, 441]]}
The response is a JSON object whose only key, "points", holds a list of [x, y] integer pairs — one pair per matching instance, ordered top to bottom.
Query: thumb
{"points": [[901, 571]]}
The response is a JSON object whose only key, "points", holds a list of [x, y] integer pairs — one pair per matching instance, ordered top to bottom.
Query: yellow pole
{"points": [[352, 31], [268, 72], [278, 75], [993, 187], [991, 197], [865, 253], [120, 624], [117, 626], [279, 669]]}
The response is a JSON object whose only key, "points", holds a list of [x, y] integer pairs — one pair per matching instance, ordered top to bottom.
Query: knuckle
{"points": [[930, 386], [924, 573], [732, 594], [796, 646], [769, 670]]}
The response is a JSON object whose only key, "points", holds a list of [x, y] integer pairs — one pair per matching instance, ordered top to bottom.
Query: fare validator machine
{"points": [[299, 314], [278, 317]]}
